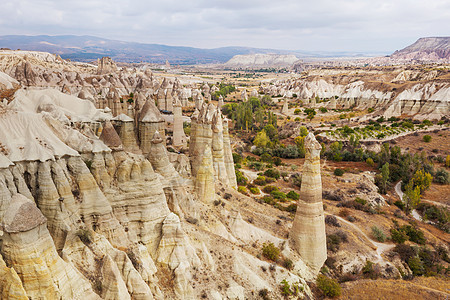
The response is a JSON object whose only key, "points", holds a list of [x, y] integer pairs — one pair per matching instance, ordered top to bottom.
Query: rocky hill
{"points": [[425, 49], [251, 61]]}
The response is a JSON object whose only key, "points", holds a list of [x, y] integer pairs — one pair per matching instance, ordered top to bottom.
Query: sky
{"points": [[312, 25]]}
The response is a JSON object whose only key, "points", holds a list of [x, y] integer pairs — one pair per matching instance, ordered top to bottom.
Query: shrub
{"points": [[323, 109], [427, 138], [266, 158], [237, 159], [370, 162], [338, 172], [274, 173], [441, 177], [240, 178], [269, 189], [242, 190], [254, 190], [278, 195], [293, 195], [361, 201], [400, 204], [291, 208], [332, 220], [378, 234], [84, 235], [398, 236], [334, 241], [270, 251], [405, 252], [288, 264], [416, 266], [369, 271], [329, 287], [285, 288], [264, 294]]}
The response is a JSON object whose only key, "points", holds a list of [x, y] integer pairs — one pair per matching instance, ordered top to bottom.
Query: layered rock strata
{"points": [[307, 235]]}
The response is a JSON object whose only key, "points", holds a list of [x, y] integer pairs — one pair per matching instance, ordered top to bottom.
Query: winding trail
{"points": [[398, 190], [379, 247]]}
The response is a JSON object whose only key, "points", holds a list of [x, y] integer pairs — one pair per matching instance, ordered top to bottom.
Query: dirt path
{"points": [[398, 190], [379, 247]]}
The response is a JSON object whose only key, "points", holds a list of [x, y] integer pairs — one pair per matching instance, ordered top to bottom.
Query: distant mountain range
{"points": [[89, 48], [426, 49]]}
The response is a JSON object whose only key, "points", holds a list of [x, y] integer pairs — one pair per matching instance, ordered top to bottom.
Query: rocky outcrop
{"points": [[106, 65], [149, 121], [179, 138], [307, 235], [27, 246]]}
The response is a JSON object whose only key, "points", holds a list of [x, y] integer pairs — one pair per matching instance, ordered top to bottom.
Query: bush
{"points": [[427, 138], [237, 159], [370, 162], [338, 172], [274, 173], [441, 177], [240, 178], [269, 189], [242, 190], [254, 190], [278, 195], [293, 195], [400, 204], [332, 220], [378, 234], [84, 235], [398, 236], [334, 240], [270, 251], [405, 252], [288, 264], [369, 271], [329, 287], [264, 294]]}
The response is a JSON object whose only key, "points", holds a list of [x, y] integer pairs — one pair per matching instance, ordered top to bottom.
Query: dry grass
{"points": [[419, 288]]}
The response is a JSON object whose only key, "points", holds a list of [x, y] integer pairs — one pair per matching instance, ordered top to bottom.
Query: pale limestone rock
{"points": [[106, 65], [285, 108], [150, 121], [125, 127], [179, 138], [228, 156], [220, 172], [204, 180], [307, 235], [28, 248], [178, 255], [10, 284]]}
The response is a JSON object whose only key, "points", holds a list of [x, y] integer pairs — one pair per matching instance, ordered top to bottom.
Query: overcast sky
{"points": [[320, 25]]}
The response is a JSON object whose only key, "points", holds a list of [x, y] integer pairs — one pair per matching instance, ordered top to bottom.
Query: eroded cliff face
{"points": [[422, 94], [93, 206]]}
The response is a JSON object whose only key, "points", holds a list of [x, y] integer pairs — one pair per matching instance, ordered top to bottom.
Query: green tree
{"points": [[271, 131], [303, 131], [261, 139], [300, 142], [385, 176], [422, 180], [411, 197]]}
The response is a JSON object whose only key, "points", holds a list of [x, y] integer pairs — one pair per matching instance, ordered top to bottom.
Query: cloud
{"points": [[352, 25]]}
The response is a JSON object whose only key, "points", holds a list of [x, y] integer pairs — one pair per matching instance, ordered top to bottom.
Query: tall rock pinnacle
{"points": [[307, 235]]}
